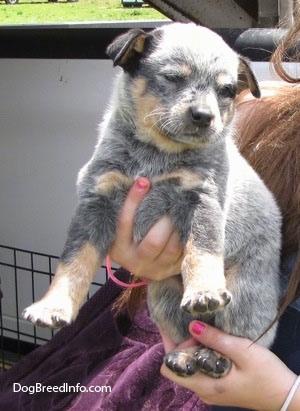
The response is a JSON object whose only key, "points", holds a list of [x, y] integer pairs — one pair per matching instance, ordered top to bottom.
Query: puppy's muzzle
{"points": [[200, 117]]}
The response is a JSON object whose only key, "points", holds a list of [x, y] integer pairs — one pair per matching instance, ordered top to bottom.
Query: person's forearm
{"points": [[294, 405]]}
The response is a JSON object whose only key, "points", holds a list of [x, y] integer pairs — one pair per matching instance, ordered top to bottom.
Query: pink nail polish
{"points": [[142, 184], [198, 327]]}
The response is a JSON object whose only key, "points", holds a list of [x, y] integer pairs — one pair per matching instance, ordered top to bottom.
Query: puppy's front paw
{"points": [[205, 301], [47, 314], [188, 361]]}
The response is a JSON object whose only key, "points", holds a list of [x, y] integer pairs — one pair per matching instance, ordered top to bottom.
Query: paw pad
{"points": [[205, 302]]}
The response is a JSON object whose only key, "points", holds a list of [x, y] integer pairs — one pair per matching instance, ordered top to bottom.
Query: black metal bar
{"points": [[87, 41], [7, 247], [19, 267], [50, 276], [33, 291], [17, 303], [23, 334], [2, 340]]}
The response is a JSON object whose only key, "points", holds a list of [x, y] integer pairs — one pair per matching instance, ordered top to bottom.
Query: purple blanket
{"points": [[116, 361]]}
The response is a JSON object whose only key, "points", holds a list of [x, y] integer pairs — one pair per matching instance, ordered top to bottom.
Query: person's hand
{"points": [[159, 254], [258, 379]]}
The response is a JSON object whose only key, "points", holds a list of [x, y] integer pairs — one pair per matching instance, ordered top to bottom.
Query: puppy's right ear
{"points": [[125, 49]]}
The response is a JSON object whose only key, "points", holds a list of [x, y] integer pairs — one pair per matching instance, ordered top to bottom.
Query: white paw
{"points": [[47, 314]]}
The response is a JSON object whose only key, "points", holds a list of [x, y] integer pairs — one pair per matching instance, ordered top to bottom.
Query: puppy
{"points": [[171, 118]]}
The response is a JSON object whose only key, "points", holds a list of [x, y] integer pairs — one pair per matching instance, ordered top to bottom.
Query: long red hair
{"points": [[269, 138]]}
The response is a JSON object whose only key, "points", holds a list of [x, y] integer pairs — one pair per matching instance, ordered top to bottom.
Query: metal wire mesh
{"points": [[24, 277]]}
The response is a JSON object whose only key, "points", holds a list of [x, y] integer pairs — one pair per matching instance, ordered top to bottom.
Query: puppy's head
{"points": [[181, 81]]}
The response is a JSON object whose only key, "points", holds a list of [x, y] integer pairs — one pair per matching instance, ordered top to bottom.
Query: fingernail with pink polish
{"points": [[142, 184], [198, 327]]}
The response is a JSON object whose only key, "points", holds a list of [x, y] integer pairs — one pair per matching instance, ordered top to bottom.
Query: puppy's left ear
{"points": [[125, 49], [247, 78]]}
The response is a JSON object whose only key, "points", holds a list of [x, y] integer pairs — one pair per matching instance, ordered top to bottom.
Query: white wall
{"points": [[49, 114]]}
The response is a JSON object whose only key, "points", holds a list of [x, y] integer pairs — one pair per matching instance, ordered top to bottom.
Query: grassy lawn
{"points": [[42, 11]]}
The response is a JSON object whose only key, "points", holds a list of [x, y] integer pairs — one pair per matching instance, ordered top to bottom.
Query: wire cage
{"points": [[24, 277]]}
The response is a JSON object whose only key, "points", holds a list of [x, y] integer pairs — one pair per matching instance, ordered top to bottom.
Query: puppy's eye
{"points": [[173, 77], [228, 91]]}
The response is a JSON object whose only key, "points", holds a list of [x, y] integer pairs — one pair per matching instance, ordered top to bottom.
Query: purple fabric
{"points": [[100, 350]]}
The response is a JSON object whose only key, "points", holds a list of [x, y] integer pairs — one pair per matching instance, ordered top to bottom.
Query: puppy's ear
{"points": [[125, 49], [247, 78]]}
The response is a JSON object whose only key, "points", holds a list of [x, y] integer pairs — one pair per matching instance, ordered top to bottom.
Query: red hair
{"points": [[269, 138]]}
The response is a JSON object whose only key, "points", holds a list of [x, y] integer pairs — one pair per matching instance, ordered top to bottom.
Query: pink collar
{"points": [[119, 282]]}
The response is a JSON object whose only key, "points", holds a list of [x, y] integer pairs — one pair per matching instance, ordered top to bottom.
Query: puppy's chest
{"points": [[152, 163], [148, 168], [188, 170], [167, 171]]}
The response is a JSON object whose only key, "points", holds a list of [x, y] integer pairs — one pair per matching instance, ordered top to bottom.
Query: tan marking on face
{"points": [[185, 70], [223, 78], [139, 87], [145, 104], [227, 115], [187, 179], [111, 180], [202, 270], [73, 279]]}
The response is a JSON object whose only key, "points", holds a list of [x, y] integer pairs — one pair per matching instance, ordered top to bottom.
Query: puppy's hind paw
{"points": [[45, 315], [188, 361], [181, 363], [212, 363]]}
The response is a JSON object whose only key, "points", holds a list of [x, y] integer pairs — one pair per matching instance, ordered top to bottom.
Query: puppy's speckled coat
{"points": [[171, 119]]}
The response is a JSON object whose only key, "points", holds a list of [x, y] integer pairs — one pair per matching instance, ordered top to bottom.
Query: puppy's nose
{"points": [[201, 117]]}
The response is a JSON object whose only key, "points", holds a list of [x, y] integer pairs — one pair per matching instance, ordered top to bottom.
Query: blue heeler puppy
{"points": [[171, 119]]}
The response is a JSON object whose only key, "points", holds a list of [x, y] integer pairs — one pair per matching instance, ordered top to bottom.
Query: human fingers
{"points": [[126, 218], [123, 240], [160, 251], [159, 254], [171, 255], [157, 257], [212, 338], [235, 348], [206, 387], [238, 389]]}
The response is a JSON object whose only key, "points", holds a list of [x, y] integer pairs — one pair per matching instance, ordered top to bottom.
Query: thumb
{"points": [[228, 345]]}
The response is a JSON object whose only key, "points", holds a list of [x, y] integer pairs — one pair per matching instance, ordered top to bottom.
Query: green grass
{"points": [[42, 11]]}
